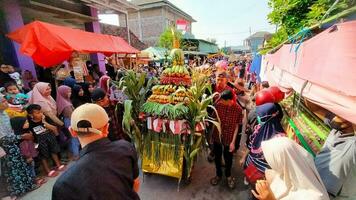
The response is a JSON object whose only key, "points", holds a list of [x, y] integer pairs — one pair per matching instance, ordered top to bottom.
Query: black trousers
{"points": [[220, 150]]}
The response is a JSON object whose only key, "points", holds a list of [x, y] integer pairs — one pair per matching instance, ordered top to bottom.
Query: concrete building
{"points": [[80, 14], [153, 17], [256, 40]]}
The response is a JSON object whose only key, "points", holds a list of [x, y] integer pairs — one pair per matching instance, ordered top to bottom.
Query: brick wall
{"points": [[153, 22], [152, 25]]}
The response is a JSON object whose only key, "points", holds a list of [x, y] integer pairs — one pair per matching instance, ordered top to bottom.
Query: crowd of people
{"points": [[41, 131]]}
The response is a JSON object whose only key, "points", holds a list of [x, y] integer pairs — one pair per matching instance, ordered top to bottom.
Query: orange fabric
{"points": [[50, 44]]}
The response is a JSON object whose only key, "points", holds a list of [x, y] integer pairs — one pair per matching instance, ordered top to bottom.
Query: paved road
{"points": [[156, 187]]}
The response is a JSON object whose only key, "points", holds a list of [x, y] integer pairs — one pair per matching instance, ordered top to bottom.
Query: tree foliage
{"points": [[293, 15], [166, 38]]}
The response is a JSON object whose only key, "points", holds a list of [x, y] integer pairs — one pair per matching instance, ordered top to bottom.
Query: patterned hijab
{"points": [[269, 117], [5, 124]]}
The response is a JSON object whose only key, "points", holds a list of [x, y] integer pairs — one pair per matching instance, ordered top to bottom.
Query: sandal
{"points": [[61, 168], [52, 174], [214, 181], [231, 182]]}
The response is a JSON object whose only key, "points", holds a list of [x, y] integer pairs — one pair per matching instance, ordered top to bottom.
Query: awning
{"points": [[49, 44], [207, 47], [157, 53], [197, 53], [328, 59], [322, 69]]}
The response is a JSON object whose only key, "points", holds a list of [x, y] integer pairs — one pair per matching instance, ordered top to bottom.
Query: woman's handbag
{"points": [[253, 174]]}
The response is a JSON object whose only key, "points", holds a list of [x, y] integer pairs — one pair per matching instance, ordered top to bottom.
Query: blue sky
{"points": [[228, 20]]}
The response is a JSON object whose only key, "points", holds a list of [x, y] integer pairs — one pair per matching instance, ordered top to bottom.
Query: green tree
{"points": [[294, 15], [166, 38]]}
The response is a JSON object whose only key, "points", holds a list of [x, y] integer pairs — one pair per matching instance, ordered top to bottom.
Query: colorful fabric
{"points": [[17, 99], [63, 100], [47, 103], [230, 116], [17, 173]]}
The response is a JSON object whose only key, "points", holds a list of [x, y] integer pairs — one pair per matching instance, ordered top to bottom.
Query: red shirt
{"points": [[220, 90], [230, 116]]}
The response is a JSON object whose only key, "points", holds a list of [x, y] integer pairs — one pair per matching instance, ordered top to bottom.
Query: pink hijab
{"points": [[63, 100], [47, 103]]}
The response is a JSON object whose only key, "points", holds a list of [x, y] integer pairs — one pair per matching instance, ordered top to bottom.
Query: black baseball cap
{"points": [[98, 94]]}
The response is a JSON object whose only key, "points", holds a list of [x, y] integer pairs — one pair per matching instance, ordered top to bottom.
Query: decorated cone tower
{"points": [[165, 112]]}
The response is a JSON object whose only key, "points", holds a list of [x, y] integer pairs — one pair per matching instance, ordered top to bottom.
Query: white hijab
{"points": [[296, 175]]}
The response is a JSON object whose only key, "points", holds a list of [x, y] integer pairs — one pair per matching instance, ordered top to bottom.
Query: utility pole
{"points": [[250, 31]]}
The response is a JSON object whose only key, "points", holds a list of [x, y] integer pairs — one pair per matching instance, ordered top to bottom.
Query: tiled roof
{"points": [[122, 32]]}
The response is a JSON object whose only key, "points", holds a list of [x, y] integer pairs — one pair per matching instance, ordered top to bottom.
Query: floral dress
{"points": [[17, 172]]}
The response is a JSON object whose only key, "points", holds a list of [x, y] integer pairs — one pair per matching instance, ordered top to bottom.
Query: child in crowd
{"points": [[16, 76], [13, 94], [44, 134], [28, 149]]}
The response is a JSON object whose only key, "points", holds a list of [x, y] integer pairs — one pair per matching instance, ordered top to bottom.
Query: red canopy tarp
{"points": [[49, 44]]}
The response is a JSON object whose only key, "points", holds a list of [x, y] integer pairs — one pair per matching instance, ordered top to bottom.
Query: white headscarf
{"points": [[296, 175]]}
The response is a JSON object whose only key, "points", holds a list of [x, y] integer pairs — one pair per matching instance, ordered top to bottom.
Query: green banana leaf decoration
{"points": [[133, 85], [199, 102], [130, 127]]}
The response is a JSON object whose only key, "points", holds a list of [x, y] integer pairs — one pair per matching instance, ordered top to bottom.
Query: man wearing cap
{"points": [[100, 98], [105, 170]]}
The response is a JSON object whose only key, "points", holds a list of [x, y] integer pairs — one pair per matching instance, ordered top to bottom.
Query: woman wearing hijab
{"points": [[104, 83], [41, 95], [78, 97], [65, 109], [269, 117], [18, 174], [293, 175]]}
